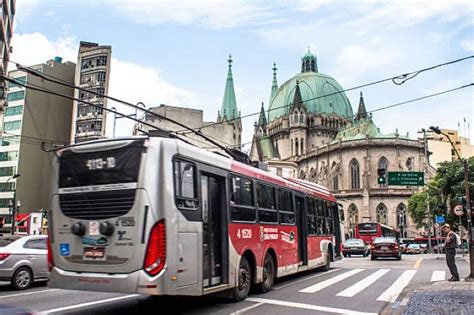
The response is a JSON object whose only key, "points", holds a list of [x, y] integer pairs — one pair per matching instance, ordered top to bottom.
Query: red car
{"points": [[385, 247]]}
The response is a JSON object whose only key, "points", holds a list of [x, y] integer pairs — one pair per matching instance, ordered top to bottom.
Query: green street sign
{"points": [[406, 178]]}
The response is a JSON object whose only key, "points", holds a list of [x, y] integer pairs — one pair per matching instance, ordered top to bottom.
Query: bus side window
{"points": [[185, 185]]}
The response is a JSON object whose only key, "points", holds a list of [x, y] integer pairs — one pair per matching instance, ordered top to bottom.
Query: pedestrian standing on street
{"points": [[450, 247]]}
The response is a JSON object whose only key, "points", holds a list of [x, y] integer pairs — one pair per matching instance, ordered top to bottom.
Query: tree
{"points": [[447, 184]]}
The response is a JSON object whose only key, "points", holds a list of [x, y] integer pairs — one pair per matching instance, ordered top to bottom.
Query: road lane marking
{"points": [[418, 263], [438, 275], [304, 279], [327, 283], [362, 284], [27, 293], [391, 294], [308, 306], [65, 308], [243, 310]]}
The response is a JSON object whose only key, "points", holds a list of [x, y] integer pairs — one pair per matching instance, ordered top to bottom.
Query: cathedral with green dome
{"points": [[310, 131]]}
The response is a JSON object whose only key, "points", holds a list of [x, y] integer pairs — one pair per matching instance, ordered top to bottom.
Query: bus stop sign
{"points": [[406, 178], [440, 219]]}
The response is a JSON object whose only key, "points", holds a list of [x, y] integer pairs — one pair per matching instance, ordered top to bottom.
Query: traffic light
{"points": [[381, 176]]}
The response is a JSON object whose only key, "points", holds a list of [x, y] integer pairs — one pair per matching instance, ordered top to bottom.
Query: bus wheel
{"points": [[328, 261], [268, 275], [241, 291]]}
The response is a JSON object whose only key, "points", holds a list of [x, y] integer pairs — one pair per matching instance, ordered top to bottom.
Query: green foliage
{"points": [[443, 189]]}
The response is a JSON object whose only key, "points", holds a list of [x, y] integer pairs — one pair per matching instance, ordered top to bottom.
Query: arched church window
{"points": [[295, 118], [301, 118], [302, 146], [296, 147], [292, 152], [383, 164], [409, 164], [355, 174], [382, 214], [353, 215], [402, 219]]}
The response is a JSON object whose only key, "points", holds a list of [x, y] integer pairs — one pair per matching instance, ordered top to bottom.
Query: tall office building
{"points": [[8, 12], [92, 73], [31, 118]]}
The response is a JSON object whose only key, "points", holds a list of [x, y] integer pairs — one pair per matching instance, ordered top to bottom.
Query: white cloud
{"points": [[24, 8], [211, 13], [407, 13], [468, 45], [35, 48], [355, 61], [128, 81]]}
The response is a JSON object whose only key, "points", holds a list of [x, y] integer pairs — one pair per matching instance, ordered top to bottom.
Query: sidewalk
{"points": [[441, 297]]}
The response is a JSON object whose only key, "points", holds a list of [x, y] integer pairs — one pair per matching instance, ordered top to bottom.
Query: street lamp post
{"points": [[136, 114], [115, 117], [13, 205], [470, 231]]}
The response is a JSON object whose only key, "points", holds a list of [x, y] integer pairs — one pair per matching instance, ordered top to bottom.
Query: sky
{"points": [[175, 52]]}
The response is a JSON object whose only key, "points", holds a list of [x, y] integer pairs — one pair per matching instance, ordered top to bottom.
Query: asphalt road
{"points": [[353, 285]]}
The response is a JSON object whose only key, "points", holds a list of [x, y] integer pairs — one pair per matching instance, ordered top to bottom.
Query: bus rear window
{"points": [[113, 166], [367, 228]]}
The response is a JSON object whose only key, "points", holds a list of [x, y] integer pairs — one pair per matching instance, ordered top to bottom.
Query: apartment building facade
{"points": [[92, 73], [33, 119]]}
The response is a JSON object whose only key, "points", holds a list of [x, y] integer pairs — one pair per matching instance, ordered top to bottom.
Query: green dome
{"points": [[312, 85]]}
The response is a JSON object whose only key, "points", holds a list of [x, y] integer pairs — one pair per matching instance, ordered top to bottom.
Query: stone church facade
{"points": [[311, 132]]}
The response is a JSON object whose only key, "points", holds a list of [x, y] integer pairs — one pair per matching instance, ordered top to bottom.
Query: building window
{"points": [[102, 61], [101, 76], [19, 79], [15, 96], [15, 110], [301, 118], [12, 125], [302, 146], [297, 151], [292, 152], [9, 156], [409, 164], [7, 171], [355, 174], [335, 182], [185, 185], [7, 186], [5, 203], [242, 205], [353, 214], [382, 215], [402, 219]]}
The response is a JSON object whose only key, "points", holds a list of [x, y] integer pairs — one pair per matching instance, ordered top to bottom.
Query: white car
{"points": [[23, 260]]}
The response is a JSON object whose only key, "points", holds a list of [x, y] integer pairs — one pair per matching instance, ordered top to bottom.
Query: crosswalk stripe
{"points": [[438, 275], [362, 284], [319, 286], [391, 294]]}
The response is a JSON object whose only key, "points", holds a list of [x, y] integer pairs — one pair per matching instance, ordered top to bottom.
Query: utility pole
{"points": [[427, 161], [470, 230]]}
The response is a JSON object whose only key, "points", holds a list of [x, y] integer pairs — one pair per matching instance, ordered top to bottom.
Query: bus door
{"points": [[212, 194], [337, 230], [302, 232]]}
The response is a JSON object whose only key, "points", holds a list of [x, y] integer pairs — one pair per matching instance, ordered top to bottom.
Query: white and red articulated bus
{"points": [[158, 216]]}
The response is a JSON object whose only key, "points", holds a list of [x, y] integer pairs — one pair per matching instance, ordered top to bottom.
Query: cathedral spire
{"points": [[274, 82], [297, 99], [229, 104], [361, 112], [262, 119]]}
